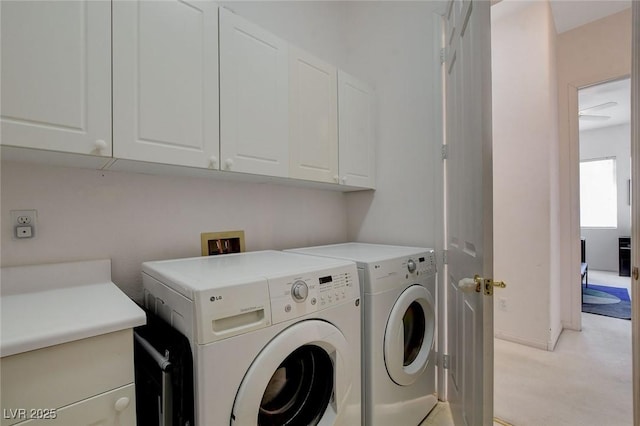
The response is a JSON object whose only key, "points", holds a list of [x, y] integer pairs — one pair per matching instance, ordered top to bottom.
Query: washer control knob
{"points": [[411, 265], [299, 291]]}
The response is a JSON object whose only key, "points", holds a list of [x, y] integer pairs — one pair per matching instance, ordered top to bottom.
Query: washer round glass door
{"points": [[409, 335], [300, 378]]}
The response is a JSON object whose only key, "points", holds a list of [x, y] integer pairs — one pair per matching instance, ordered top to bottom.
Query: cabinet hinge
{"points": [[443, 55], [445, 152], [445, 257], [445, 361]]}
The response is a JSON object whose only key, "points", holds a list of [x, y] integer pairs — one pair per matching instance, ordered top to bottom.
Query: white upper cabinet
{"points": [[56, 75], [165, 82], [313, 118], [254, 128], [356, 133]]}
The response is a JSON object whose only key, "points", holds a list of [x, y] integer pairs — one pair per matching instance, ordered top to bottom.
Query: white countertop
{"points": [[46, 305]]}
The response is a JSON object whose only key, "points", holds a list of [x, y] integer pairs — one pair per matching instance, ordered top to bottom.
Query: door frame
{"points": [[635, 207]]}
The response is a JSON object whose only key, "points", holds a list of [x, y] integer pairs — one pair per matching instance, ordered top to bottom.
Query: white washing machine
{"points": [[399, 329], [275, 336]]}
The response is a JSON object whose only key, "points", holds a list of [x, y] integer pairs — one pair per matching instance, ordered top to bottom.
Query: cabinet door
{"points": [[56, 75], [165, 82], [254, 111], [313, 118], [356, 134], [114, 408]]}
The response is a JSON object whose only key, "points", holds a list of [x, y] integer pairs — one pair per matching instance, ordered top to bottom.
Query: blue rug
{"points": [[608, 301]]}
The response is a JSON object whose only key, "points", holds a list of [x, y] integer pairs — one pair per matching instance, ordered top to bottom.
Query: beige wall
{"points": [[589, 54], [525, 153]]}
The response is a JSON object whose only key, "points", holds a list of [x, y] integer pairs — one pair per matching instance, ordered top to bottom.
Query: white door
{"points": [[56, 75], [165, 82], [254, 98], [313, 117], [355, 129], [469, 227]]}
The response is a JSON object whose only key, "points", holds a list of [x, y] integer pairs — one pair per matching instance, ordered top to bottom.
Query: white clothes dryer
{"points": [[398, 285], [275, 336]]}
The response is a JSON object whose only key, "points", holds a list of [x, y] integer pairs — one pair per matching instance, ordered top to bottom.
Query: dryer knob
{"points": [[411, 265], [299, 291]]}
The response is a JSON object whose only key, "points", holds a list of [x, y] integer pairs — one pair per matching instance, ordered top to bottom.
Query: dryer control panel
{"points": [[387, 274], [298, 295]]}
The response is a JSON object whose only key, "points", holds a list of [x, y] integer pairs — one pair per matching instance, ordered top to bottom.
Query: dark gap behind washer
{"points": [[162, 355]]}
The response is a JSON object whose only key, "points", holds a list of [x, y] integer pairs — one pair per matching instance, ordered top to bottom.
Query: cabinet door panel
{"points": [[56, 75], [166, 82], [253, 98], [313, 117], [357, 144], [114, 408]]}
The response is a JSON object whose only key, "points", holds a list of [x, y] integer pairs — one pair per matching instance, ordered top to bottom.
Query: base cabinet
{"points": [[83, 382], [115, 408]]}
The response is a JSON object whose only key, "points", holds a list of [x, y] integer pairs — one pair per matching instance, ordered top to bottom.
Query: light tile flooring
{"points": [[585, 381]]}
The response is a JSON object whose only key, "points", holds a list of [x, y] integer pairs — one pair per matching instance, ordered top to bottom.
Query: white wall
{"points": [[397, 51], [587, 55], [525, 135], [614, 141], [131, 218]]}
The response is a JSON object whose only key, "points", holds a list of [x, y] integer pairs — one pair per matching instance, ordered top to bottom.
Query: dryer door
{"points": [[409, 335], [301, 377]]}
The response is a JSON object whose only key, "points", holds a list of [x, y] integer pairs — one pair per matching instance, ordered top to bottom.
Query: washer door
{"points": [[409, 335], [300, 378]]}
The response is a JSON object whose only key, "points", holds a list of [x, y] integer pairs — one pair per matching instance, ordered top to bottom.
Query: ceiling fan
{"points": [[586, 113]]}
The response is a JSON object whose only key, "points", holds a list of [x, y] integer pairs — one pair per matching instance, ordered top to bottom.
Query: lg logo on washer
{"points": [[215, 298]]}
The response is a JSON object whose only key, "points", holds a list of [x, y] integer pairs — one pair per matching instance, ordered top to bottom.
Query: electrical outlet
{"points": [[23, 223], [502, 303]]}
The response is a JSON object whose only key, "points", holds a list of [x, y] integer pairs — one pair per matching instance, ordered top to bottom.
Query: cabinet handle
{"points": [[100, 145], [213, 161], [228, 163], [336, 178], [343, 179], [121, 404]]}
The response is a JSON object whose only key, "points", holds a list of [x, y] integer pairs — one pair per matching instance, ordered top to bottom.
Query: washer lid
{"points": [[191, 275]]}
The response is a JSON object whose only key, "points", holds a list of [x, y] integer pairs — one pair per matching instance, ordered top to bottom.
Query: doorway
{"points": [[605, 195]]}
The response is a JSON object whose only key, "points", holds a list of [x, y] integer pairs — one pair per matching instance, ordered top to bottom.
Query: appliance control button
{"points": [[411, 265], [299, 291], [313, 300], [287, 308]]}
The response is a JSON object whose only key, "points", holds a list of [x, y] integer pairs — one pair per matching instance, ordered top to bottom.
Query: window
{"points": [[598, 194]]}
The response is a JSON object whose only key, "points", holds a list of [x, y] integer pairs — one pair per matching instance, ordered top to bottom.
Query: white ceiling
{"points": [[570, 14], [618, 92]]}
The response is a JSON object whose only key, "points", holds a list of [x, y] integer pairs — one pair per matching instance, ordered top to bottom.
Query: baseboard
{"points": [[538, 344], [551, 344]]}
